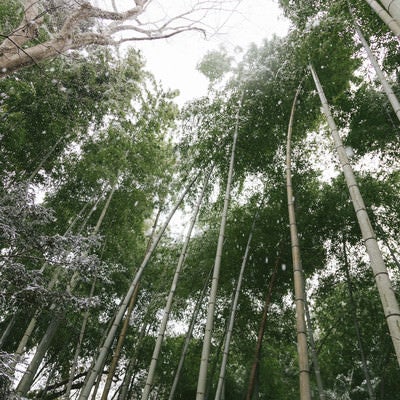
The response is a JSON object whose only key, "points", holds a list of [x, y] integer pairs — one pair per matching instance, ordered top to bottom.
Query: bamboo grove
{"points": [[280, 277]]}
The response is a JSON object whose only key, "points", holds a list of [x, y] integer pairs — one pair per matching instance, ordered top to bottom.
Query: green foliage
{"points": [[11, 12], [215, 64], [46, 113], [372, 122], [83, 127], [337, 335]]}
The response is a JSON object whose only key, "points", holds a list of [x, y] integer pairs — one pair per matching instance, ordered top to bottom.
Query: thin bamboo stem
{"points": [[393, 25], [385, 84], [298, 274], [386, 291], [170, 298], [353, 307], [122, 309], [189, 333], [260, 336], [314, 353], [205, 355], [224, 362]]}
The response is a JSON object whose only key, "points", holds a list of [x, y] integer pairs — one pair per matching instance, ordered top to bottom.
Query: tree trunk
{"points": [[393, 25], [13, 55], [298, 274], [384, 285], [168, 306], [353, 308], [121, 311], [261, 330], [188, 337], [222, 373], [202, 379]]}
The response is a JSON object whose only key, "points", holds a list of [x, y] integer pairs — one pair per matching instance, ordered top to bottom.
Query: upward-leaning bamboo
{"points": [[393, 8], [391, 22], [385, 84], [298, 275], [171, 294], [387, 294], [353, 309], [125, 325], [260, 335], [188, 336], [120, 342], [314, 352], [225, 353], [205, 354], [126, 383], [85, 392]]}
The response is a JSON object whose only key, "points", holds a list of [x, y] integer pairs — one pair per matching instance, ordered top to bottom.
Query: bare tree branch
{"points": [[84, 24], [26, 31], [165, 36]]}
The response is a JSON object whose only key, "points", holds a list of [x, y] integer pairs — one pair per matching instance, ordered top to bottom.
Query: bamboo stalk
{"points": [[385, 17], [298, 274], [386, 291], [168, 306], [261, 330], [225, 353], [205, 354], [85, 392]]}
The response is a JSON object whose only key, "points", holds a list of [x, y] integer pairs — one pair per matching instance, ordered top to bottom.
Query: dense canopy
{"points": [[280, 276]]}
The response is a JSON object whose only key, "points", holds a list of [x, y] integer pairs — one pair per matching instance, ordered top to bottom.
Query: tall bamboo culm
{"points": [[393, 8], [393, 25], [384, 82], [298, 275], [386, 292], [170, 298], [125, 324], [261, 330], [188, 337], [225, 353], [205, 354], [85, 392]]}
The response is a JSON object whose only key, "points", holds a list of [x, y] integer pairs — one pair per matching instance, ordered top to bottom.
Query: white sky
{"points": [[173, 61]]}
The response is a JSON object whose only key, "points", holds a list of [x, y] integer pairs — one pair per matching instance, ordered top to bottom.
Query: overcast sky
{"points": [[173, 61]]}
